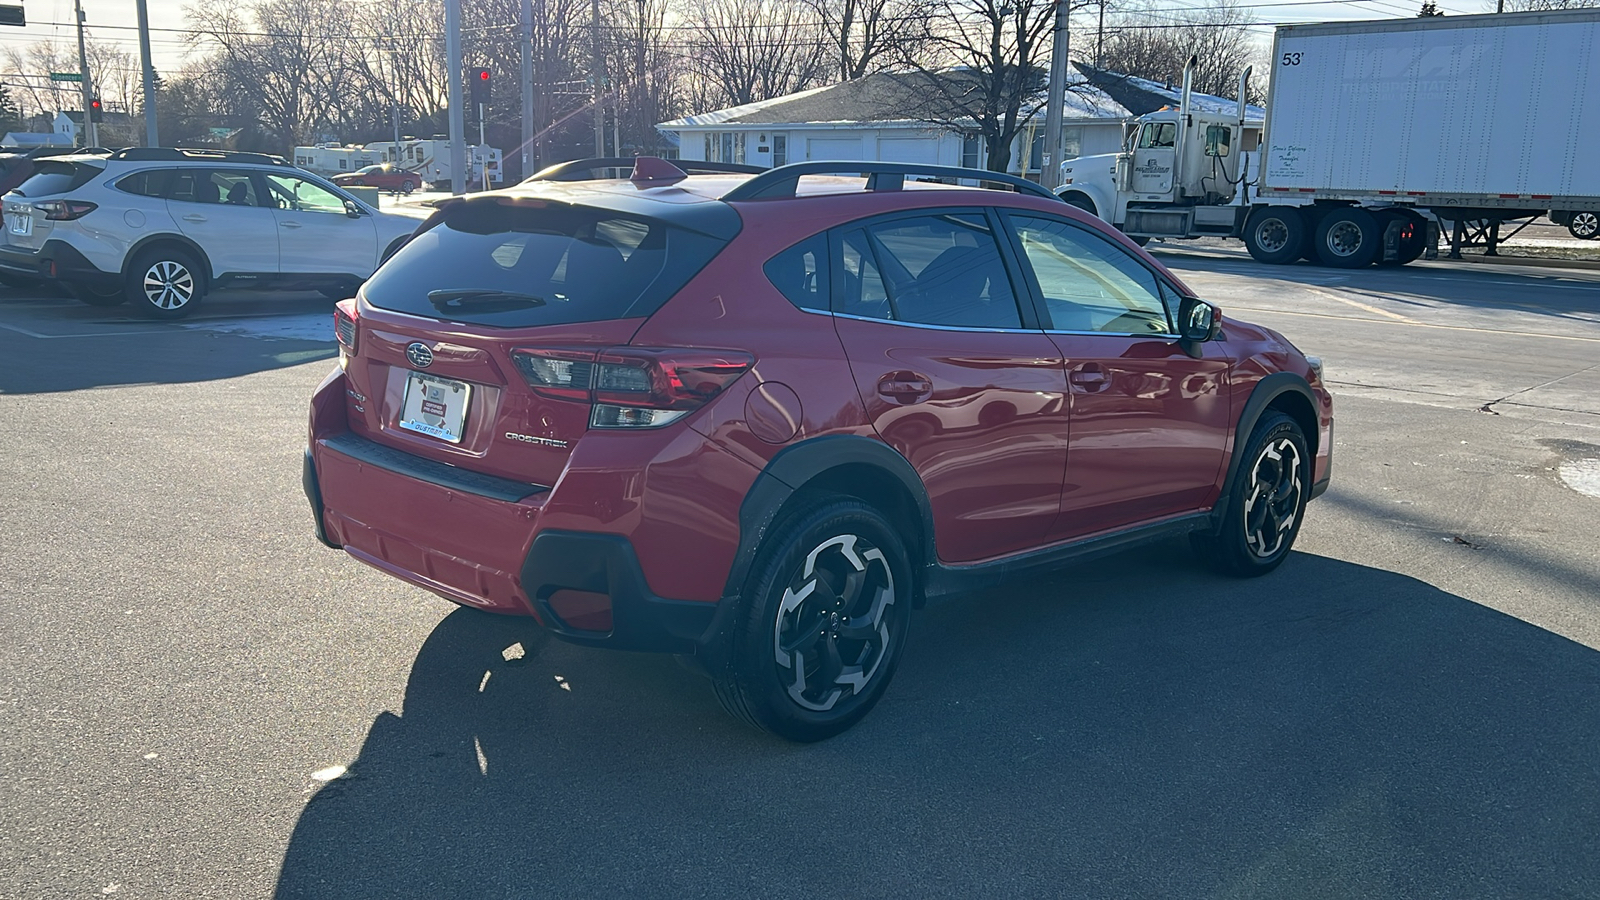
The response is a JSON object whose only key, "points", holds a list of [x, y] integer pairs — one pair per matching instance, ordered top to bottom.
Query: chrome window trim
{"points": [[932, 327], [1159, 337]]}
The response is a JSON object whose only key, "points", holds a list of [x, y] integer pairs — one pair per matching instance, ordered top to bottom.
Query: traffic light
{"points": [[480, 85], [96, 111]]}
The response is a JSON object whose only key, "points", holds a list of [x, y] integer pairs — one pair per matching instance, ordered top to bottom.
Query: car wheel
{"points": [[407, 186], [1584, 226], [1275, 234], [1349, 238], [165, 283], [96, 296], [1261, 513], [822, 623]]}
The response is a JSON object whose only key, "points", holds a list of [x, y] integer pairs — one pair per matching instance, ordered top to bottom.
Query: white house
{"points": [[873, 118]]}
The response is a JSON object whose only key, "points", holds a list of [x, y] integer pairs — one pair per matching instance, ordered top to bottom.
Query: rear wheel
{"points": [[407, 186], [1584, 226], [1275, 234], [1349, 238], [165, 283], [98, 296], [1262, 511], [822, 623]]}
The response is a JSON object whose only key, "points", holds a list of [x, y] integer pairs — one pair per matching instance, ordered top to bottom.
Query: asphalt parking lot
{"points": [[198, 700]]}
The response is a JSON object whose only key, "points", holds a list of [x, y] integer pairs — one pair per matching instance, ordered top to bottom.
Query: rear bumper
{"points": [[55, 261], [478, 543]]}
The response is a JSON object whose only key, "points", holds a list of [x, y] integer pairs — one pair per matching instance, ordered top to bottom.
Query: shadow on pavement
{"points": [[53, 344], [1132, 728]]}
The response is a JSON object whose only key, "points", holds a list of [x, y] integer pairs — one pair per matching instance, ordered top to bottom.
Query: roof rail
{"points": [[176, 154], [580, 169], [881, 176]]}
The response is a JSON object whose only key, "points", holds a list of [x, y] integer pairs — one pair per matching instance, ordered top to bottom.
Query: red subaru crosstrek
{"points": [[756, 419]]}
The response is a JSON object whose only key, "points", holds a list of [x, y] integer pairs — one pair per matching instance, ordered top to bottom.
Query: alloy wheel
{"points": [[1585, 225], [1272, 235], [1344, 238], [168, 285], [1273, 503], [831, 635]]}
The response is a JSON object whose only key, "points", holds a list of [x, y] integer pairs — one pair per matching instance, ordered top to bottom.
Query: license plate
{"points": [[21, 224], [435, 406]]}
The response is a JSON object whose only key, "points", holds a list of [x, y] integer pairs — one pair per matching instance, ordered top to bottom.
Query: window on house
{"points": [[780, 150], [971, 151]]}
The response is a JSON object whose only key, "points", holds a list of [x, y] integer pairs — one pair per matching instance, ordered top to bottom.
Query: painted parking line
{"points": [[1411, 323]]}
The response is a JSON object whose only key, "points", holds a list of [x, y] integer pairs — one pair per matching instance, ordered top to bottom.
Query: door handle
{"points": [[194, 217], [288, 224], [1089, 378], [905, 387]]}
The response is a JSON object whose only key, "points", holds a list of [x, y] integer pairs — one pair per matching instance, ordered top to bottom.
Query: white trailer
{"points": [[1375, 131], [333, 159], [432, 159]]}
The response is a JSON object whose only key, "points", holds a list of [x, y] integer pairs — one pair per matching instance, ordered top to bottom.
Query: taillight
{"points": [[65, 210], [344, 325], [633, 387]]}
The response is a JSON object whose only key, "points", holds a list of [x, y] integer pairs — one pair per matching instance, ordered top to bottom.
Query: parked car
{"points": [[384, 175], [1582, 224], [161, 228], [757, 419]]}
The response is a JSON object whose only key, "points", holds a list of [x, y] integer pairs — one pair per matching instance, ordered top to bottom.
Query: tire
{"points": [[407, 186], [1081, 202], [1584, 225], [1275, 235], [1349, 238], [165, 283], [94, 296], [1262, 511], [789, 635]]}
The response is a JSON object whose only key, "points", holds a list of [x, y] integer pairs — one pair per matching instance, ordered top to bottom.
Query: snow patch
{"points": [[305, 327], [1582, 475]]}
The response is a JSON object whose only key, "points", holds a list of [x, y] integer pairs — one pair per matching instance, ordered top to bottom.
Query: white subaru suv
{"points": [[161, 227]]}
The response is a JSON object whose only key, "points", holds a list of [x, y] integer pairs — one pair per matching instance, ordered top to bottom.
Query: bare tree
{"points": [[1531, 5], [863, 35], [1147, 41], [748, 50], [979, 65]]}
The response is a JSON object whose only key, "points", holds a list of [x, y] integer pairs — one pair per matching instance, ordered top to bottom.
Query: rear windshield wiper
{"points": [[481, 300]]}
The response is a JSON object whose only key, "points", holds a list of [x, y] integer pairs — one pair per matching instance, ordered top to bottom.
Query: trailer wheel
{"points": [[1275, 234], [1349, 238]]}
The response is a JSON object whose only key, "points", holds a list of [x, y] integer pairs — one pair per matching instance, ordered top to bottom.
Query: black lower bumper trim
{"points": [[56, 260], [431, 471], [606, 564]]}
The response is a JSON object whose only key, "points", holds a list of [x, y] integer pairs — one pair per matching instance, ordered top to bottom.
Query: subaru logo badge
{"points": [[420, 355]]}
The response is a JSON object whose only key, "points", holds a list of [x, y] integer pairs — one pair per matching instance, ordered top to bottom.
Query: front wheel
{"points": [[1585, 226], [165, 283], [1262, 511], [822, 625]]}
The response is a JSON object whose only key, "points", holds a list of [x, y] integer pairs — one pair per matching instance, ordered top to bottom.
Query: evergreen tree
{"points": [[10, 114]]}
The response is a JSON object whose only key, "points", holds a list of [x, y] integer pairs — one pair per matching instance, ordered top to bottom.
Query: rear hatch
{"points": [[37, 204], [480, 343]]}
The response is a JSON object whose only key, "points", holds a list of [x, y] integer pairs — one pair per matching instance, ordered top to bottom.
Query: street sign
{"points": [[12, 15], [66, 76]]}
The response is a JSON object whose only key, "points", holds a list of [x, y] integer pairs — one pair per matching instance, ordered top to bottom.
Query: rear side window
{"points": [[57, 178], [150, 183], [515, 265], [801, 273]]}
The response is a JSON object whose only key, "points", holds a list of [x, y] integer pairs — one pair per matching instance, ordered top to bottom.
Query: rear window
{"points": [[57, 178], [527, 264]]}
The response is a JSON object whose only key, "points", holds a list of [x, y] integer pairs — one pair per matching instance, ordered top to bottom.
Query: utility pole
{"points": [[1100, 36], [599, 68], [527, 88], [641, 93], [458, 113], [91, 134], [151, 135], [1050, 165]]}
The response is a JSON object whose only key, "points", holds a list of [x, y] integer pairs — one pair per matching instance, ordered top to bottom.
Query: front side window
{"points": [[1158, 136], [303, 196], [935, 270], [1088, 283]]}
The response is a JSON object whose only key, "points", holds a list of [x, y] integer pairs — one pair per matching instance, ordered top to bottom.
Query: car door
{"points": [[223, 211], [316, 236], [954, 377], [1149, 422]]}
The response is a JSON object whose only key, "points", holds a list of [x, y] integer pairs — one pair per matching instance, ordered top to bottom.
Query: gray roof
{"points": [[1140, 95], [884, 97]]}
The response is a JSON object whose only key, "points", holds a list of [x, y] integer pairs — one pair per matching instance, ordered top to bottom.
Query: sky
{"points": [[116, 21]]}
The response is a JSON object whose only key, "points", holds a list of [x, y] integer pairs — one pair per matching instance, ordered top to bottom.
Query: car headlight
{"points": [[1316, 365]]}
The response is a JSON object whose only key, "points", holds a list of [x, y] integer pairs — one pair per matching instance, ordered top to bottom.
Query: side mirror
{"points": [[352, 210], [1198, 322]]}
